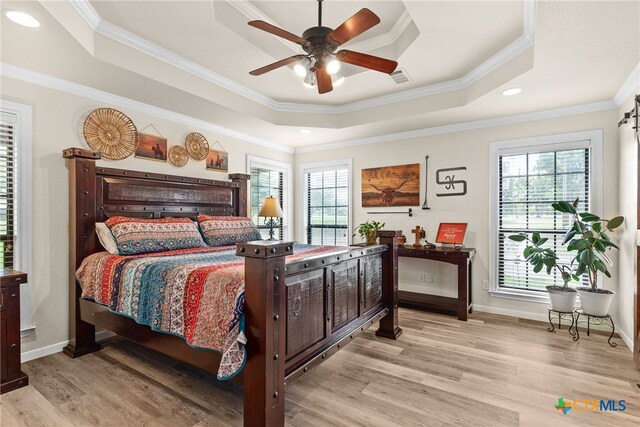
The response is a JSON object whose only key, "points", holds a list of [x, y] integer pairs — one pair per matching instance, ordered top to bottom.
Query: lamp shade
{"points": [[270, 208]]}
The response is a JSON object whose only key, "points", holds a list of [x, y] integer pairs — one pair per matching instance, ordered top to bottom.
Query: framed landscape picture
{"points": [[151, 147], [218, 161], [391, 186], [451, 232]]}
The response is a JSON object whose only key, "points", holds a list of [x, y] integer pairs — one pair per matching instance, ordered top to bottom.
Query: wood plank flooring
{"points": [[489, 371]]}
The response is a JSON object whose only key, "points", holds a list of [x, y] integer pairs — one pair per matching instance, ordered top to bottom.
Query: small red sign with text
{"points": [[451, 232]]}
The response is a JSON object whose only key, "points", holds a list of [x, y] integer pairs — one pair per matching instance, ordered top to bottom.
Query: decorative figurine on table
{"points": [[420, 234], [401, 240]]}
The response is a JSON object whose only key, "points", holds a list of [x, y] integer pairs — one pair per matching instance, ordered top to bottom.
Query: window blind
{"points": [[265, 183], [528, 183], [7, 191], [327, 216]]}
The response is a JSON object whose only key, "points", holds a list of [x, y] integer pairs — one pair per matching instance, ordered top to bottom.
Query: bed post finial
{"points": [[241, 178], [82, 211], [389, 324], [265, 327]]}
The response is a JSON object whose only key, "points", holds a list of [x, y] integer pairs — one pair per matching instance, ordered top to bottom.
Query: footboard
{"points": [[299, 314]]}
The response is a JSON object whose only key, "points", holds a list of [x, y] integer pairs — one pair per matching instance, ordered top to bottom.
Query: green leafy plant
{"points": [[367, 231], [587, 237], [544, 258]]}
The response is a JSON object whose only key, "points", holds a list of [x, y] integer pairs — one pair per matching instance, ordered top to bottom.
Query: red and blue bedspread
{"points": [[197, 294]]}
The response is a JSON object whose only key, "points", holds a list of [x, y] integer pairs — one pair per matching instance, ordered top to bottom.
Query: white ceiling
{"points": [[460, 55]]}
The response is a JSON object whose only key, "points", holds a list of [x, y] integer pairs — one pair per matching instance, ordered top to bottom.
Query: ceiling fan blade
{"points": [[265, 26], [354, 26], [367, 61], [277, 64], [323, 80]]}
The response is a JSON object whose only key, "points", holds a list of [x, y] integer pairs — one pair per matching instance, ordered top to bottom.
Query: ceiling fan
{"points": [[320, 44]]}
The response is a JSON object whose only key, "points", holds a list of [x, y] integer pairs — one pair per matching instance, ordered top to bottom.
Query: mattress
{"points": [[197, 294]]}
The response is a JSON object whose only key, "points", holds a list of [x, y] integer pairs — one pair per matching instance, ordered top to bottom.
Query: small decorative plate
{"points": [[111, 133], [197, 146], [178, 156]]}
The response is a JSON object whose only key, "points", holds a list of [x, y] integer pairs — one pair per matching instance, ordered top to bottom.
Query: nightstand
{"points": [[11, 374]]}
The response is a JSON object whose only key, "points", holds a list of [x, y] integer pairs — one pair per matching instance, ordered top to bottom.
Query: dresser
{"points": [[11, 374]]}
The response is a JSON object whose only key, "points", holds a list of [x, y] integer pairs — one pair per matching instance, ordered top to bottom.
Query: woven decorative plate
{"points": [[111, 133], [197, 146], [178, 156]]}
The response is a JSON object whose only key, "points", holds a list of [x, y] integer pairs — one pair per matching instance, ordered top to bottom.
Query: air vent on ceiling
{"points": [[400, 76]]}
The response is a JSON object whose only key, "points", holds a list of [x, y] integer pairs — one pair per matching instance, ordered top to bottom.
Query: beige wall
{"points": [[57, 121], [57, 124], [470, 149], [628, 173]]}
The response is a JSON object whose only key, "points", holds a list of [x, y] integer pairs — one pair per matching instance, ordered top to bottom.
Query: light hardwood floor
{"points": [[490, 371]]}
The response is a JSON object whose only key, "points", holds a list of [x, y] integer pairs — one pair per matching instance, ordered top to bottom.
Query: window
{"points": [[269, 178], [528, 178], [327, 195], [15, 198]]}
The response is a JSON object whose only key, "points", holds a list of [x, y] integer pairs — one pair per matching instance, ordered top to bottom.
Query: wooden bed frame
{"points": [[297, 315]]}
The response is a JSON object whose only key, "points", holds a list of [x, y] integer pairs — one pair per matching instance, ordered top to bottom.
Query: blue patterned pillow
{"points": [[227, 230], [140, 236]]}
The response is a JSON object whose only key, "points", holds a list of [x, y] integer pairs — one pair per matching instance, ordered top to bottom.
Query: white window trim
{"points": [[592, 139], [316, 167], [285, 168], [23, 262]]}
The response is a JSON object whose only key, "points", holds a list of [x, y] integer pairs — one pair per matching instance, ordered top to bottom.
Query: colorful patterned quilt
{"points": [[197, 294]]}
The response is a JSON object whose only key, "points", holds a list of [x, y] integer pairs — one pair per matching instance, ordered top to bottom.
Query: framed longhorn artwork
{"points": [[391, 186]]}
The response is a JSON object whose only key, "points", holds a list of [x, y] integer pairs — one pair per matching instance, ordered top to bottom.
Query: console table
{"points": [[463, 258]]}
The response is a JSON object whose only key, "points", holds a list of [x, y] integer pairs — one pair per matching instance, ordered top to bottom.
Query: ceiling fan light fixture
{"points": [[333, 66], [302, 68], [310, 81]]}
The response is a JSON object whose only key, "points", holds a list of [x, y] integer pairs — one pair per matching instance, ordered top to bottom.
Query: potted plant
{"points": [[367, 231], [587, 237], [563, 297]]}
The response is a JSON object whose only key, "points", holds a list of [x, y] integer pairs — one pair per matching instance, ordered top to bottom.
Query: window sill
{"points": [[528, 296]]}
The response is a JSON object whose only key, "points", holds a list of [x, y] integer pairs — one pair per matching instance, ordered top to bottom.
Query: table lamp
{"points": [[270, 209]]}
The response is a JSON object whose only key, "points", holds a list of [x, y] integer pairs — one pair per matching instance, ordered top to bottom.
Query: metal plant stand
{"points": [[560, 315], [597, 320]]}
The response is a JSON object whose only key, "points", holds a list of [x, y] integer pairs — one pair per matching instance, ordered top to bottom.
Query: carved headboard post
{"points": [[241, 179], [82, 240]]}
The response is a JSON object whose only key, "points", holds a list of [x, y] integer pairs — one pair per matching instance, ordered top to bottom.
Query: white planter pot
{"points": [[562, 301], [595, 303]]}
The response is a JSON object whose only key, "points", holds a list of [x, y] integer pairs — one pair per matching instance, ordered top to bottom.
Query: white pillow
{"points": [[106, 238]]}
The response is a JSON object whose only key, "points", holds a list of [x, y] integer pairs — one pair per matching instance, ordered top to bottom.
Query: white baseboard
{"points": [[511, 313], [544, 318], [628, 341], [56, 348]]}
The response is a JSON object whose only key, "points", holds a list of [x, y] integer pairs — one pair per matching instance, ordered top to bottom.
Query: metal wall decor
{"points": [[111, 133], [197, 146], [178, 156], [450, 182], [425, 206]]}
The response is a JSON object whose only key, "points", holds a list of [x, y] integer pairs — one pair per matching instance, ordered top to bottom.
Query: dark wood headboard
{"points": [[98, 193]]}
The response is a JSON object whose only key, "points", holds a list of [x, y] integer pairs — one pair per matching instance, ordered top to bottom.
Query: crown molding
{"points": [[253, 13], [116, 33], [384, 39], [51, 82], [629, 87], [466, 126]]}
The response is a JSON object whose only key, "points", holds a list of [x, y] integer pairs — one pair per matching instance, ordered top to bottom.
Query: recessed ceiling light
{"points": [[22, 18], [512, 91], [305, 130]]}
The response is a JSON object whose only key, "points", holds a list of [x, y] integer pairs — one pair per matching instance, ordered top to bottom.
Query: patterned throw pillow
{"points": [[227, 230], [140, 236]]}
